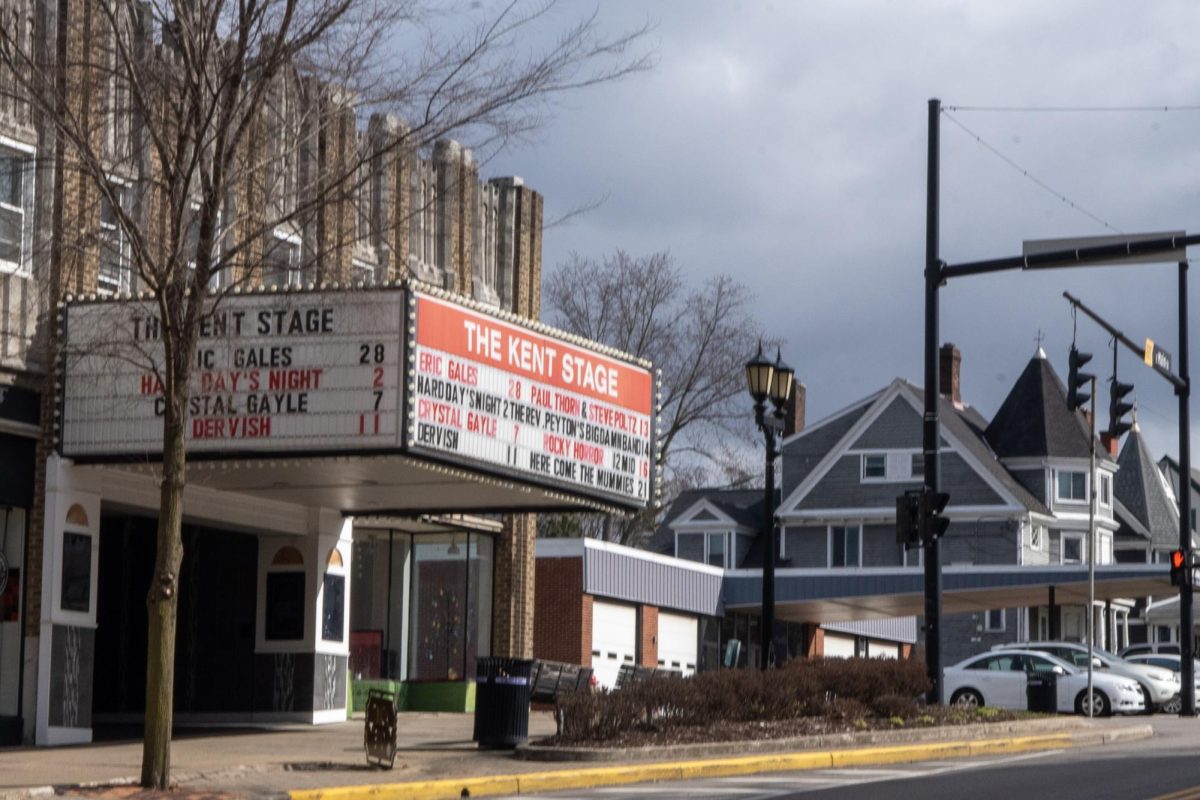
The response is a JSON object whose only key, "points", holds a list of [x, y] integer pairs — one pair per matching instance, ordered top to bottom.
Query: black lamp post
{"points": [[774, 381]]}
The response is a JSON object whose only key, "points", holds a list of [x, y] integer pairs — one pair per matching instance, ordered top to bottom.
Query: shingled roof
{"points": [[1033, 420], [967, 426], [1142, 491], [744, 506]]}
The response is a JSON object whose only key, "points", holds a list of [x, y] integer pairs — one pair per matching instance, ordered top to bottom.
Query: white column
{"points": [[67, 635], [307, 670]]}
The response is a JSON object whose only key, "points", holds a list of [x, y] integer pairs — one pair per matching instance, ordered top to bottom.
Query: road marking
{"points": [[1183, 794]]}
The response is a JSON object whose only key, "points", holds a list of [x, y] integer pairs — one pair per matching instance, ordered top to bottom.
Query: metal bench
{"points": [[552, 678]]}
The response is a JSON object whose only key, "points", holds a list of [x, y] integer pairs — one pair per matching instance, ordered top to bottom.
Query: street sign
{"points": [[1037, 246], [1157, 358]]}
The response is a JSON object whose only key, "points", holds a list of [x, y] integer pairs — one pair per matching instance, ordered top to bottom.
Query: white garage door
{"points": [[614, 640], [677, 642], [838, 646], [877, 648]]}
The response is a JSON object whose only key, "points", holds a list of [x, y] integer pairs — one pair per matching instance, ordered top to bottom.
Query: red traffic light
{"points": [[1177, 559]]}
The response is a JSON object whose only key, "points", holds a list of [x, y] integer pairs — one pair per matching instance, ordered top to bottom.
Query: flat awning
{"points": [[383, 485], [862, 594]]}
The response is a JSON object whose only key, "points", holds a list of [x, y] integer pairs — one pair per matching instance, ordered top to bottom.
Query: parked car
{"points": [[1150, 647], [1173, 663], [999, 678], [1161, 686]]}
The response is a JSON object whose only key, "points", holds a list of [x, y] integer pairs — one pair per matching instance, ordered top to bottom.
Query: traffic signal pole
{"points": [[938, 272], [931, 543], [1187, 691]]}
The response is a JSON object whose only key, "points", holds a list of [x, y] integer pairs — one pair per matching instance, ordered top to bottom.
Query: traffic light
{"points": [[1076, 379], [1117, 409], [908, 518], [933, 523], [1177, 570]]}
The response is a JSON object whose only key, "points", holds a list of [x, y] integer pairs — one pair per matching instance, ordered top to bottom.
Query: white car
{"points": [[1172, 662], [1000, 679], [1160, 686]]}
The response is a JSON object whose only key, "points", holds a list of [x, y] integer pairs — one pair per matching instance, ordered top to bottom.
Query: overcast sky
{"points": [[785, 143]]}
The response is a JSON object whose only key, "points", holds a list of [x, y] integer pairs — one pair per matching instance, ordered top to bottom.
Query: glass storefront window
{"points": [[421, 605], [438, 619]]}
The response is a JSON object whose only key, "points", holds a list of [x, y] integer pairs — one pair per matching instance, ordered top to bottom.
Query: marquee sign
{"points": [[368, 371], [272, 373], [485, 391]]}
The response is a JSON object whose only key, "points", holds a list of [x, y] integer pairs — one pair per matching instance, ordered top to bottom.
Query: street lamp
{"points": [[773, 381]]}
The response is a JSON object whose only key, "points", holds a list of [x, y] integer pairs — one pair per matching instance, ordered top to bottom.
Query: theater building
{"points": [[374, 422]]}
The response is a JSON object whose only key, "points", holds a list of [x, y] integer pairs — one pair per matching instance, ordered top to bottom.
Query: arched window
{"points": [[77, 515], [287, 556], [333, 598], [285, 604]]}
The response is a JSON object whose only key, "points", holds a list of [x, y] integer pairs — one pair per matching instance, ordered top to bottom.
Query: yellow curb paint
{"points": [[1021, 744], [899, 754], [744, 765], [598, 776], [567, 779], [449, 788]]}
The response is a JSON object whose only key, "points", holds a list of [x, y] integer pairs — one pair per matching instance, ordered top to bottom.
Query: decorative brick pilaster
{"points": [[512, 633], [648, 636]]}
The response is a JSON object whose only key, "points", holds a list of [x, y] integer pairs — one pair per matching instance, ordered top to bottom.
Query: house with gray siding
{"points": [[1018, 484]]}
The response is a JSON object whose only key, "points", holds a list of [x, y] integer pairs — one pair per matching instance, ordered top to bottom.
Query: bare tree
{"points": [[172, 125], [699, 337]]}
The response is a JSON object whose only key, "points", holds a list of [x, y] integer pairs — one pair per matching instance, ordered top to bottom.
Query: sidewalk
{"points": [[437, 747]]}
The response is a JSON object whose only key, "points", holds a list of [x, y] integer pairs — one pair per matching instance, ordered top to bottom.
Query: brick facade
{"points": [[562, 627]]}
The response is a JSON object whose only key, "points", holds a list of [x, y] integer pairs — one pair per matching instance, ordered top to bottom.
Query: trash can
{"points": [[502, 690], [1041, 692]]}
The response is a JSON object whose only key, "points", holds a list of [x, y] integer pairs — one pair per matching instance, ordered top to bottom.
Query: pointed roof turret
{"points": [[1034, 419], [1143, 493]]}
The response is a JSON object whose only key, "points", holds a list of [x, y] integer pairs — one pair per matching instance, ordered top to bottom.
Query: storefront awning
{"points": [[860, 594]]}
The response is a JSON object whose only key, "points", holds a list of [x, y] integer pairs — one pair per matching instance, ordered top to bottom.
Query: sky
{"points": [[785, 143]]}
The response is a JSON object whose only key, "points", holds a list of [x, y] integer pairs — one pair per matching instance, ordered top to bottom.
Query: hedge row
{"points": [[843, 688]]}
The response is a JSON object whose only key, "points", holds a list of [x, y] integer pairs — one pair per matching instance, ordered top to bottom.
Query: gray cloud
{"points": [[785, 144]]}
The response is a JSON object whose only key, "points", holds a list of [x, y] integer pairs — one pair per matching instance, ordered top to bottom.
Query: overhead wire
{"points": [[1075, 109], [1030, 176]]}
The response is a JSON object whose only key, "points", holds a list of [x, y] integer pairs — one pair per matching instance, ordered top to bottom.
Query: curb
{"points": [[825, 741], [592, 777]]}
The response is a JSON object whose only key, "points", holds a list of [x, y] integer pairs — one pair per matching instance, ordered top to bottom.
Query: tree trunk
{"points": [[162, 601]]}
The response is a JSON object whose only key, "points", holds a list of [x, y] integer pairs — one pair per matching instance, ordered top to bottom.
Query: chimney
{"points": [[949, 369], [793, 412]]}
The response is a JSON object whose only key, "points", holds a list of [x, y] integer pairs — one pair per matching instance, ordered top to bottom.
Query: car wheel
{"points": [[967, 698], [1148, 701], [1100, 705], [1172, 706]]}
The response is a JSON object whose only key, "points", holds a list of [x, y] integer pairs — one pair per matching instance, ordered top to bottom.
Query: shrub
{"points": [[844, 689]]}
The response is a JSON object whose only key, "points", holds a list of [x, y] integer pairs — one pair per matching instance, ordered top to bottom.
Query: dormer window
{"points": [[1072, 486], [718, 549]]}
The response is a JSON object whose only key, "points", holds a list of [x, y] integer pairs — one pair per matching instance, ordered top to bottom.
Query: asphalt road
{"points": [[1165, 767]]}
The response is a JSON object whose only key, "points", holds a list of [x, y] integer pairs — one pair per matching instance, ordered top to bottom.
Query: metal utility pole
{"points": [[933, 280], [1160, 361], [1183, 389], [1092, 546]]}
